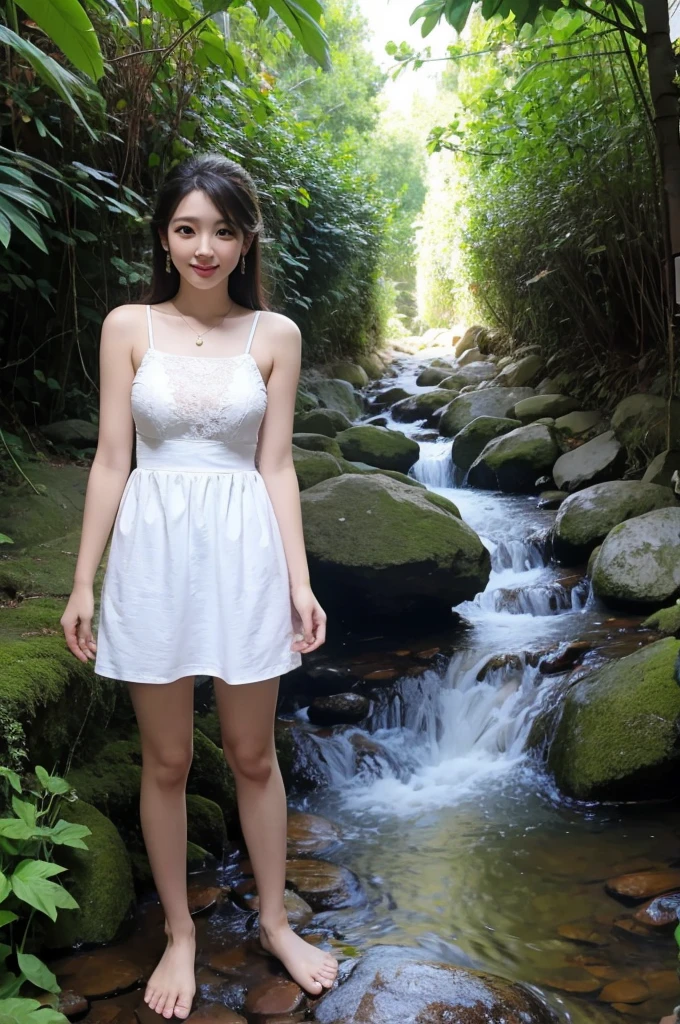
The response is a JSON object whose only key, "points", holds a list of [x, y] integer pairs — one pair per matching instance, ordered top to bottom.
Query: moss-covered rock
{"points": [[371, 363], [351, 372], [523, 373], [431, 376], [338, 395], [387, 398], [305, 401], [496, 402], [538, 406], [421, 407], [321, 421], [640, 421], [583, 424], [471, 441], [317, 443], [379, 446], [603, 458], [514, 461], [313, 467], [661, 469], [585, 518], [378, 547], [639, 561], [666, 620], [617, 735], [211, 776], [205, 824], [99, 879]]}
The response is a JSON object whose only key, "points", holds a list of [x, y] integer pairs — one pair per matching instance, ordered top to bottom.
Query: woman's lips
{"points": [[204, 271]]}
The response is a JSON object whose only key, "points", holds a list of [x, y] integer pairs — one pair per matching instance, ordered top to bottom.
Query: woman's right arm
{"points": [[108, 473]]}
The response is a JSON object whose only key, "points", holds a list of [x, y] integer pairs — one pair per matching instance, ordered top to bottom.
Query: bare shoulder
{"points": [[124, 318], [281, 326]]}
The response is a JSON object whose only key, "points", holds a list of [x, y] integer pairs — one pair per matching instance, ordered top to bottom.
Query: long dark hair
{"points": [[233, 191]]}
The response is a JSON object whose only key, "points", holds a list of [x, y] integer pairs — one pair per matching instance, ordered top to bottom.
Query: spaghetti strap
{"points": [[148, 317], [252, 330]]}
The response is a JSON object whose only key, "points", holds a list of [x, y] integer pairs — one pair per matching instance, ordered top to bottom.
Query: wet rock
{"points": [[373, 363], [445, 364], [352, 372], [524, 372], [432, 376], [338, 395], [384, 399], [305, 401], [497, 402], [539, 406], [421, 407], [321, 421], [640, 422], [582, 425], [74, 432], [471, 441], [317, 443], [379, 446], [514, 461], [594, 462], [313, 467], [661, 469], [551, 499], [585, 518], [379, 547], [591, 561], [638, 563], [666, 620], [566, 658], [509, 661], [338, 709], [617, 736], [205, 823], [310, 834], [323, 885], [644, 885], [244, 895], [203, 897], [661, 912], [632, 929], [584, 933], [226, 960], [104, 972], [574, 980], [392, 984], [662, 984], [628, 990], [274, 996], [210, 1013]]}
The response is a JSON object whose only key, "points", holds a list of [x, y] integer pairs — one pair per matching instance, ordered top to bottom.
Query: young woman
{"points": [[207, 572]]}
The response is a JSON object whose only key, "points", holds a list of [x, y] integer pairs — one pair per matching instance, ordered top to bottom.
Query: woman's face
{"points": [[199, 237]]}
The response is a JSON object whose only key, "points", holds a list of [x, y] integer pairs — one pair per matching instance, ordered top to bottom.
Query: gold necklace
{"points": [[200, 337]]}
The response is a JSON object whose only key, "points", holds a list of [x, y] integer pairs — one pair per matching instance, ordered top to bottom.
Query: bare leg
{"points": [[247, 714], [165, 715]]}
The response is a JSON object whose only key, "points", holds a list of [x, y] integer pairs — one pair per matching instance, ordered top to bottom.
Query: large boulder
{"points": [[468, 341], [473, 355], [372, 364], [351, 372], [524, 372], [431, 376], [469, 376], [339, 395], [384, 399], [305, 402], [498, 402], [538, 406], [421, 407], [321, 421], [640, 421], [583, 425], [76, 433], [473, 438], [317, 443], [379, 446], [603, 458], [514, 461], [312, 467], [661, 469], [585, 518], [377, 546], [639, 561], [617, 734], [399, 985]]}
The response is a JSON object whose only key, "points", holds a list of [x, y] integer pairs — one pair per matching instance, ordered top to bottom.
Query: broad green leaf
{"points": [[67, 24], [25, 222], [7, 773], [52, 783], [23, 808], [65, 833], [30, 884], [5, 887], [7, 917], [38, 972]]}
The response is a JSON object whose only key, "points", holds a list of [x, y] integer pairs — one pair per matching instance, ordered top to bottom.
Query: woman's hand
{"points": [[309, 620], [77, 623]]}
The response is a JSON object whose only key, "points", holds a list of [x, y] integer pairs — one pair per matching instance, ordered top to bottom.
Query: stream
{"points": [[465, 845]]}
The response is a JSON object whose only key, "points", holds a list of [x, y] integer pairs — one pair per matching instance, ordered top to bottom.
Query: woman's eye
{"points": [[186, 226]]}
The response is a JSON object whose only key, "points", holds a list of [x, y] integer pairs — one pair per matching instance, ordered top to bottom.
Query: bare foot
{"points": [[313, 969], [172, 986]]}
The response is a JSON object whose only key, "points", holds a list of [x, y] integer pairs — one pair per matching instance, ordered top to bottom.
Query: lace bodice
{"points": [[222, 398]]}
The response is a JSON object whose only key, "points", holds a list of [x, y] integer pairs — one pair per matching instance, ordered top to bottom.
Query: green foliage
{"points": [[30, 827]]}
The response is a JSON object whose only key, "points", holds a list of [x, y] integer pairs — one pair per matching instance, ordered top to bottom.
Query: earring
{"points": [[243, 263], [168, 264]]}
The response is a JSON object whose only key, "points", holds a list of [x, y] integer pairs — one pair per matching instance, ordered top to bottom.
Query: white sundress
{"points": [[196, 580]]}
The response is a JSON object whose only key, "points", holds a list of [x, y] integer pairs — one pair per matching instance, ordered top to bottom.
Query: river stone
{"points": [[468, 341], [473, 355], [371, 363], [445, 363], [352, 372], [521, 373], [432, 376], [338, 395], [384, 399], [305, 401], [496, 402], [539, 406], [421, 407], [321, 421], [639, 421], [580, 424], [74, 432], [473, 438], [318, 443], [379, 446], [513, 462], [594, 462], [313, 467], [661, 469], [551, 499], [585, 518], [379, 546], [639, 561], [665, 621], [338, 709], [617, 737], [310, 834], [644, 885], [324, 886], [398, 984], [274, 996]]}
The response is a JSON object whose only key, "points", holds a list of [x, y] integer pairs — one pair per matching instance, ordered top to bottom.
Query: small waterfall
{"points": [[437, 470]]}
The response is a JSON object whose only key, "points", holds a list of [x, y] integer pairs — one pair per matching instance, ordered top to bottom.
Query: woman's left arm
{"points": [[275, 462]]}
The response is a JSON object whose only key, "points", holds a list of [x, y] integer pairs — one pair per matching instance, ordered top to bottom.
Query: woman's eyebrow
{"points": [[195, 219]]}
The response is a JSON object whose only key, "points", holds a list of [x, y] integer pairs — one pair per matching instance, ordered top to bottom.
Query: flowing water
{"points": [[461, 836]]}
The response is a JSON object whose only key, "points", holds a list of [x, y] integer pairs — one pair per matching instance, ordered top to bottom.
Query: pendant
{"points": [[199, 340]]}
